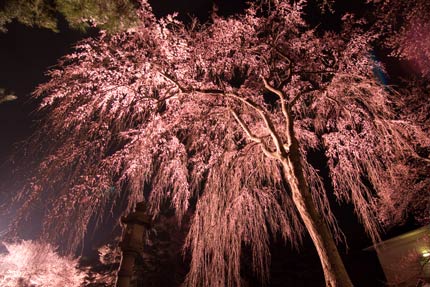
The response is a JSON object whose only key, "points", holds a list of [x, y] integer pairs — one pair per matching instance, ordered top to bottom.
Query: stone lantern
{"points": [[132, 242]]}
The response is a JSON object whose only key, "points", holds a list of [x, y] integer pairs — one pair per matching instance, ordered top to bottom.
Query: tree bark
{"points": [[334, 270]]}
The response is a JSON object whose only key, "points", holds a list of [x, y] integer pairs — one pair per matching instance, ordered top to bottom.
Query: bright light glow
{"points": [[426, 254], [37, 264]]}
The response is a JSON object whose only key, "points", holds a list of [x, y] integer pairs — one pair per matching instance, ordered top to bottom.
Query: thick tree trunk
{"points": [[334, 271]]}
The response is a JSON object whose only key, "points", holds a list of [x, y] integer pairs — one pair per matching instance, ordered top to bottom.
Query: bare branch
{"points": [[273, 90], [280, 148]]}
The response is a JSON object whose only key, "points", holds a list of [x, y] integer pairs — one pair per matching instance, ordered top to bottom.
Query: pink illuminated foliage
{"points": [[405, 30], [177, 110], [414, 202], [36, 264]]}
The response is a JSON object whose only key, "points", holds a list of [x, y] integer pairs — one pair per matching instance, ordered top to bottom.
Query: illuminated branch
{"points": [[285, 57], [285, 110], [269, 125], [254, 138], [281, 149]]}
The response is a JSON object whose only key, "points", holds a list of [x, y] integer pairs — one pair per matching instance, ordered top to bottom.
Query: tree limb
{"points": [[285, 109], [269, 125], [254, 138], [280, 147]]}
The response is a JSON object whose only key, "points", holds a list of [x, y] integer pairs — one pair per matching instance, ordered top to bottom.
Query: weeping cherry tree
{"points": [[221, 119]]}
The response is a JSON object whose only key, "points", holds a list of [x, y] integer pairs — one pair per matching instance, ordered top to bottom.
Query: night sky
{"points": [[27, 53]]}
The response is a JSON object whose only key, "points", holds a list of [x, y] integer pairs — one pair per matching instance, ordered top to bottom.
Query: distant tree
{"points": [[30, 13], [111, 15], [406, 26], [226, 115], [37, 264]]}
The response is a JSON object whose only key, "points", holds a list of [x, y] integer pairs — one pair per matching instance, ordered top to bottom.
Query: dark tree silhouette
{"points": [[109, 15], [225, 115]]}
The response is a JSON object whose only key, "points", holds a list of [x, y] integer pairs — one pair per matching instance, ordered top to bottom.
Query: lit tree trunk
{"points": [[288, 153], [334, 270]]}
